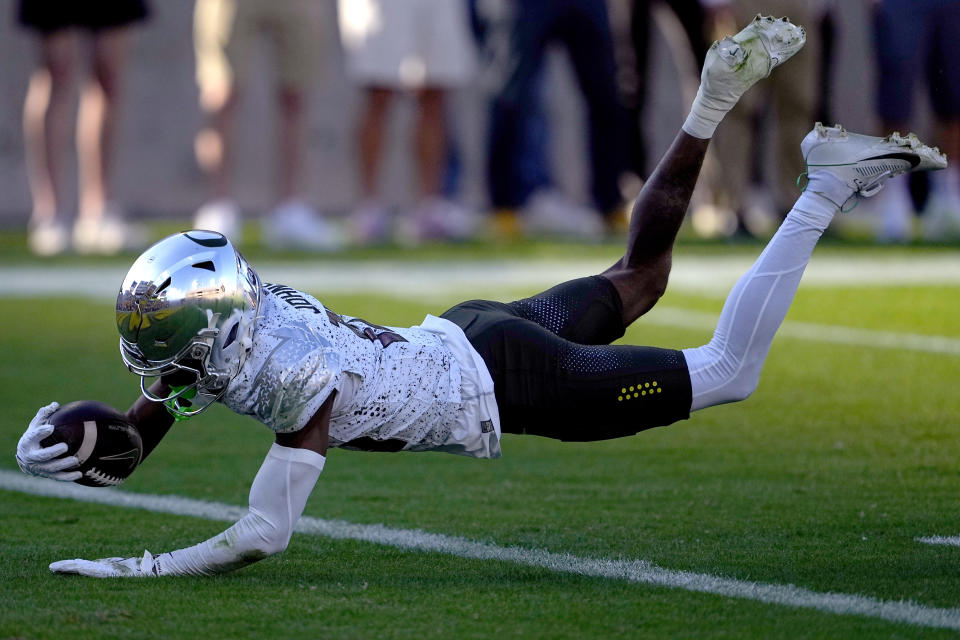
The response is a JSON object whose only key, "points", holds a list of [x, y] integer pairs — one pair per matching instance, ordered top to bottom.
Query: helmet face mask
{"points": [[185, 313], [192, 389]]}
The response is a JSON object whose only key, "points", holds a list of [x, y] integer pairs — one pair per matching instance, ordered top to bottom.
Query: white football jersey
{"points": [[417, 388]]}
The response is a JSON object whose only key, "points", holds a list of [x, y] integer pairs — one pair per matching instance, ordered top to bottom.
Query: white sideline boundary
{"points": [[710, 276], [447, 280], [950, 541], [638, 571]]}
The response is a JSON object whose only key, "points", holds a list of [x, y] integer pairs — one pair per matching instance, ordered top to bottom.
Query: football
{"points": [[107, 446]]}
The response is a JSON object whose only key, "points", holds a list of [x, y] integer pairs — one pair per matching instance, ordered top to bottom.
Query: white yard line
{"points": [[852, 336], [951, 541], [639, 571]]}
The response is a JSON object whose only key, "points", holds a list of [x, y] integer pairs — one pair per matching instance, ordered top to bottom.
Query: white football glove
{"points": [[37, 460], [108, 567]]}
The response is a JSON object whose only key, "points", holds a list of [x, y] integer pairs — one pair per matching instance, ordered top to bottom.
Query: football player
{"points": [[193, 314]]}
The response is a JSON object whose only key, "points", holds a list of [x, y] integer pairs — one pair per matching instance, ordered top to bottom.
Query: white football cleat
{"points": [[736, 63], [864, 163]]}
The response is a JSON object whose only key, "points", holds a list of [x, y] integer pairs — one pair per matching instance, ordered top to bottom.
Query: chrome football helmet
{"points": [[186, 312]]}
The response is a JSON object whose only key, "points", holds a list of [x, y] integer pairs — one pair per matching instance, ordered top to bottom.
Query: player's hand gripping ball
{"points": [[108, 448]]}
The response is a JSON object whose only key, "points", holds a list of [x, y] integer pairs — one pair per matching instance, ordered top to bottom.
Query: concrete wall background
{"points": [[157, 176]]}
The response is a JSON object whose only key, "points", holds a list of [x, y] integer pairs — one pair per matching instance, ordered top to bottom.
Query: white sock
{"points": [[706, 113], [727, 369]]}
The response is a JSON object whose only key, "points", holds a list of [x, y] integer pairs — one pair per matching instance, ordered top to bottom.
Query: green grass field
{"points": [[823, 479]]}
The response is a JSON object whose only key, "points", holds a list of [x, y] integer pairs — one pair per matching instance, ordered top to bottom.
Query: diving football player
{"points": [[193, 314]]}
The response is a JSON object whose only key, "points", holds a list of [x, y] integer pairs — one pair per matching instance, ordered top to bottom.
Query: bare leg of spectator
{"points": [[97, 121], [46, 125], [292, 128], [370, 133], [430, 142], [214, 143], [214, 148], [435, 216], [293, 222], [370, 222], [100, 228]]}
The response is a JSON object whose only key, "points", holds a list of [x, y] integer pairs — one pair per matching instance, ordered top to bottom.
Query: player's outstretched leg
{"points": [[732, 66], [840, 165]]}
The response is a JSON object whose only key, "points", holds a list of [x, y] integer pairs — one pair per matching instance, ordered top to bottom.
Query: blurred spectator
{"points": [[60, 27], [225, 34], [518, 35], [920, 38], [391, 47], [634, 73], [775, 114], [529, 169]]}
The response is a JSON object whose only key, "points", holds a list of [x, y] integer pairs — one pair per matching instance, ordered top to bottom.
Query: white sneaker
{"points": [[864, 163], [547, 212], [894, 212], [759, 213], [221, 215], [941, 217], [437, 218], [710, 220], [370, 223], [295, 225], [107, 235], [48, 238]]}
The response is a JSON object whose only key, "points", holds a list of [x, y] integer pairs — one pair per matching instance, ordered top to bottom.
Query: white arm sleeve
{"points": [[277, 498]]}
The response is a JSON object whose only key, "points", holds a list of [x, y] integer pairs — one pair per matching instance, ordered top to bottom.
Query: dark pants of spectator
{"points": [[691, 16], [914, 36], [517, 130]]}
